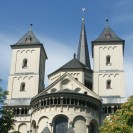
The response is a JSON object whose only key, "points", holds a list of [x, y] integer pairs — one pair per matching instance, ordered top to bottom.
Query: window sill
{"points": [[109, 64], [24, 67], [108, 88]]}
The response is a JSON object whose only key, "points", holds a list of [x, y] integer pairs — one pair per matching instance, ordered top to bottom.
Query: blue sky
{"points": [[57, 24]]}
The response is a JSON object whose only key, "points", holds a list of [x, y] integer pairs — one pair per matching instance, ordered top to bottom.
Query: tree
{"points": [[6, 116], [121, 121], [15, 132]]}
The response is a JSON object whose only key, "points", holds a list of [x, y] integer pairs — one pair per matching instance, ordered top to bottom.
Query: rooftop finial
{"points": [[83, 12], [107, 22], [31, 27], [74, 55]]}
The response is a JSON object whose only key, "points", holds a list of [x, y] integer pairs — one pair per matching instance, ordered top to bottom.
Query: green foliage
{"points": [[6, 116], [6, 121], [121, 121], [15, 132]]}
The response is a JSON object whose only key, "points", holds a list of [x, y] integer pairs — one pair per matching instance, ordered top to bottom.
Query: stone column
{"points": [[53, 100], [61, 100], [46, 101], [78, 102], [39, 103], [112, 109], [20, 111], [51, 124], [87, 128], [37, 129]]}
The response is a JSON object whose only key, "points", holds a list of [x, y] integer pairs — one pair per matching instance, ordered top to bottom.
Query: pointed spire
{"points": [[83, 53]]}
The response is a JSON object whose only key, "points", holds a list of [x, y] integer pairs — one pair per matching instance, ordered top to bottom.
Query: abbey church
{"points": [[77, 98]]}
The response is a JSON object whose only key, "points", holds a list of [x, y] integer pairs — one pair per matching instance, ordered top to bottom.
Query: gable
{"points": [[67, 83]]}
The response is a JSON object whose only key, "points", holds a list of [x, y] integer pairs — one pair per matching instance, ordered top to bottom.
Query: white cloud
{"points": [[124, 17], [5, 54], [58, 54]]}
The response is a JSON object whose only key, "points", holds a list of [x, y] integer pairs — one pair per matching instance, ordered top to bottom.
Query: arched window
{"points": [[108, 60], [24, 65], [108, 84], [22, 87], [60, 125], [91, 128]]}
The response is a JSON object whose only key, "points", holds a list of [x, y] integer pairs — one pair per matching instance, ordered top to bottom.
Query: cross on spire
{"points": [[107, 22], [31, 27], [74, 55]]}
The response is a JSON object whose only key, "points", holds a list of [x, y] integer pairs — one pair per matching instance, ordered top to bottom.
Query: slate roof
{"points": [[29, 35], [108, 35], [30, 40], [83, 52], [72, 64]]}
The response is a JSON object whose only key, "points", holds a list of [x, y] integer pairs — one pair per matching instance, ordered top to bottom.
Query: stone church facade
{"points": [[77, 98]]}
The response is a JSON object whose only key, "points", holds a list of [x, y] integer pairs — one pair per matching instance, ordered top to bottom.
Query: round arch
{"points": [[43, 117], [42, 123], [60, 124], [79, 124], [93, 126], [22, 128]]}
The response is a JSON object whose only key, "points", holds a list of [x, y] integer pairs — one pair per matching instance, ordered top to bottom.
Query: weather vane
{"points": [[83, 12]]}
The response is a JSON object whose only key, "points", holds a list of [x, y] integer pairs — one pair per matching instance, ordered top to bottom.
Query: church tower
{"points": [[108, 73], [26, 77], [108, 77]]}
